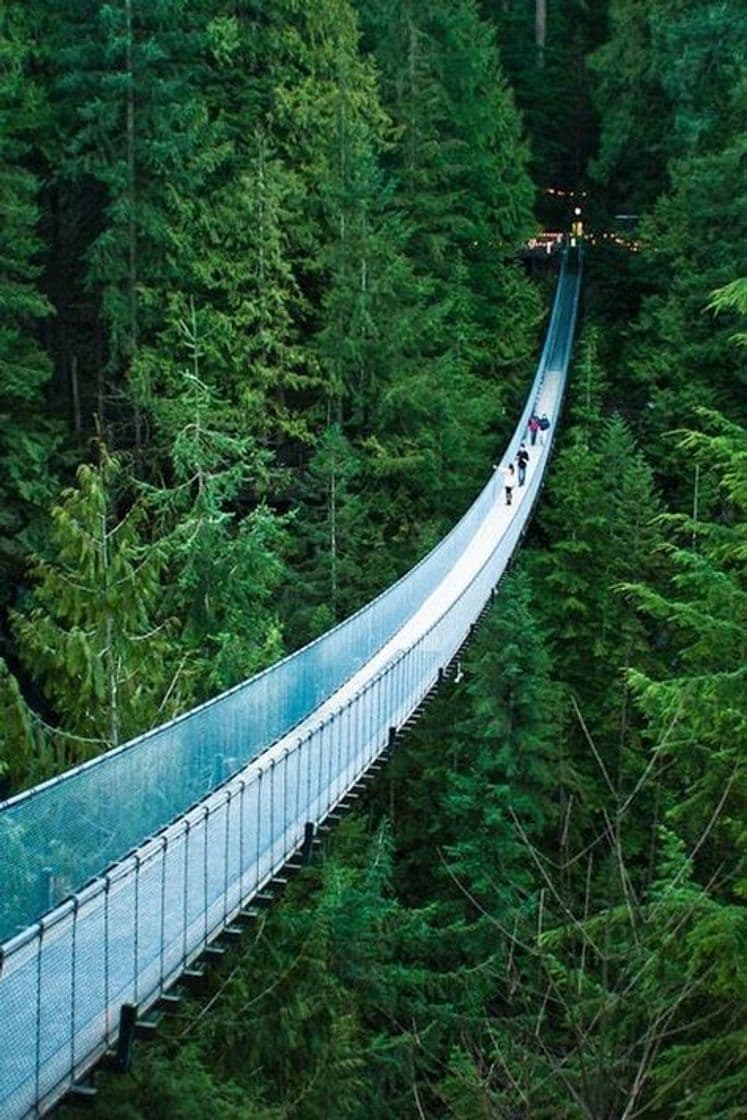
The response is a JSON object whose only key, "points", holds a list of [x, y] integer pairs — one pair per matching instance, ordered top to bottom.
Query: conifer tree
{"points": [[551, 82], [696, 107], [136, 137], [458, 168], [251, 306], [367, 334], [677, 357], [27, 438], [601, 519], [334, 530], [224, 562], [91, 635], [698, 709], [20, 742], [508, 767], [331, 959], [602, 1010]]}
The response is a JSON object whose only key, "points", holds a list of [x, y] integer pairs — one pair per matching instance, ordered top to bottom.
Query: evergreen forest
{"points": [[265, 328]]}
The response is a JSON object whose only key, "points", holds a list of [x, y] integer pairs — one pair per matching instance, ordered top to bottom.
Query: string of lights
{"points": [[549, 241]]}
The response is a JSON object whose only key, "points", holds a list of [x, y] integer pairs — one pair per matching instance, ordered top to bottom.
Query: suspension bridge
{"points": [[118, 876]]}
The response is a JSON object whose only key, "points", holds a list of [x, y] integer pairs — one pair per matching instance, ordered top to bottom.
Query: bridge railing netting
{"points": [[126, 935]]}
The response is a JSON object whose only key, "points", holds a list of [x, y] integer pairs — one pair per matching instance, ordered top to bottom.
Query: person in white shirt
{"points": [[509, 481]]}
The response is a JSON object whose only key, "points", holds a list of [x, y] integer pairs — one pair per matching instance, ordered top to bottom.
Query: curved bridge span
{"points": [[116, 876]]}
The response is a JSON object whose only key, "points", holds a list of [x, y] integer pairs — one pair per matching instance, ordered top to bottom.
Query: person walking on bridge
{"points": [[534, 427], [522, 458], [509, 481]]}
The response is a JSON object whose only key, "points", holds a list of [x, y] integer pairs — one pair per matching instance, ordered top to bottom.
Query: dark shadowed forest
{"points": [[265, 328]]}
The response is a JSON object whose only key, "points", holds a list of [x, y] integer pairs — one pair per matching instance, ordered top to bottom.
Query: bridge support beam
{"points": [[308, 843], [125, 1038]]}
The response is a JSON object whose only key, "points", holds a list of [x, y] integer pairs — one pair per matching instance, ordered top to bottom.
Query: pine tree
{"points": [[551, 81], [697, 105], [137, 137], [459, 157], [632, 157], [458, 165], [251, 307], [401, 333], [367, 337], [676, 357], [27, 437], [601, 520], [334, 530], [224, 561], [91, 635], [697, 712], [22, 753], [506, 780], [329, 955], [602, 1010]]}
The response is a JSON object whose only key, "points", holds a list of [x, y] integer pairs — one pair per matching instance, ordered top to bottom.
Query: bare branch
{"points": [[594, 750]]}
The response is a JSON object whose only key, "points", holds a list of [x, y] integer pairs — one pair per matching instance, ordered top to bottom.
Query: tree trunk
{"points": [[540, 29], [132, 228], [75, 395]]}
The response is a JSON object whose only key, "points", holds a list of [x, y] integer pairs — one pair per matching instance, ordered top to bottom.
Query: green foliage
{"points": [[552, 83], [668, 85], [635, 112], [136, 139], [458, 154], [682, 162], [280, 250], [248, 296], [732, 296], [26, 436], [601, 518], [335, 538], [222, 568], [90, 634], [697, 712], [20, 742], [504, 785], [613, 1001], [291, 1023], [177, 1085], [465, 1089]]}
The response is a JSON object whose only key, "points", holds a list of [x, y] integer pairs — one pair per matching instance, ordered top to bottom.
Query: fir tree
{"points": [[137, 137], [459, 157], [676, 358], [27, 438], [334, 530], [603, 530], [224, 562], [91, 635], [697, 711], [507, 768]]}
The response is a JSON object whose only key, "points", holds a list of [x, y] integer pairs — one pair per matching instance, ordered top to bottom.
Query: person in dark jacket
{"points": [[522, 458]]}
